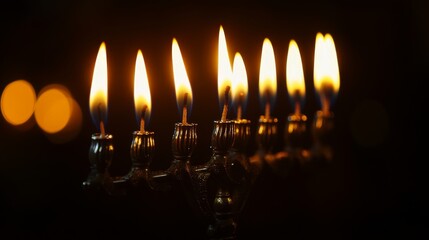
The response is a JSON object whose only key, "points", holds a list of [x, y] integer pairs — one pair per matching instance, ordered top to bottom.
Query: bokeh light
{"points": [[18, 102], [52, 109], [57, 113]]}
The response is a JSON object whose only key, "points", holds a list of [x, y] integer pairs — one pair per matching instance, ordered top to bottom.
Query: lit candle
{"points": [[326, 71], [224, 75], [295, 76], [267, 77], [182, 84], [239, 84], [98, 94], [142, 98], [239, 99], [185, 134], [101, 150]]}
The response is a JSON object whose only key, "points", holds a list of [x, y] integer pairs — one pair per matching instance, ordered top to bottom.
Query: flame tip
{"points": [[293, 43]]}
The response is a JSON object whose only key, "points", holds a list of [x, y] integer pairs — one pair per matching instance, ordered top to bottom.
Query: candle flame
{"points": [[224, 68], [326, 71], [294, 73], [267, 74], [181, 80], [239, 81], [98, 94], [142, 98]]}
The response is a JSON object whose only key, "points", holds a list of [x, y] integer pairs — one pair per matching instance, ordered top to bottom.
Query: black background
{"points": [[375, 186]]}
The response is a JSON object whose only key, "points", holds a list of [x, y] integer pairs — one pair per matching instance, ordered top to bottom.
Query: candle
{"points": [[326, 71], [224, 74], [295, 76], [267, 77], [182, 84], [239, 84], [98, 94], [142, 98]]}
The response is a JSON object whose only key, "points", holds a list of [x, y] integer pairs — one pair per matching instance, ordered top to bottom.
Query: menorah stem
{"points": [[221, 141], [239, 169], [224, 227]]}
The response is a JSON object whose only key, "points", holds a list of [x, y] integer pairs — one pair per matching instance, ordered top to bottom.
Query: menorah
{"points": [[220, 186]]}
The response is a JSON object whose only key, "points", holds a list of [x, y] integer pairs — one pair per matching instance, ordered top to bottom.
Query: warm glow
{"points": [[326, 71], [267, 73], [294, 73], [224, 75], [181, 80], [239, 81], [98, 95], [142, 98], [17, 102], [53, 109], [58, 114]]}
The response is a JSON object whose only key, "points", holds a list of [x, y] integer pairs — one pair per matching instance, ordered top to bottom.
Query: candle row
{"points": [[232, 81]]}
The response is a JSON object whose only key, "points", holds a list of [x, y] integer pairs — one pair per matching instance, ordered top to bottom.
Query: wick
{"points": [[225, 105], [267, 105], [239, 107], [185, 109], [102, 130], [142, 130]]}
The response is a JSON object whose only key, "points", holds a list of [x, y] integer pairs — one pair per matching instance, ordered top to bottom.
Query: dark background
{"points": [[375, 186]]}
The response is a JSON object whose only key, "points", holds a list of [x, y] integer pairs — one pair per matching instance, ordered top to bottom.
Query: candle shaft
{"points": [[327, 91], [297, 100], [267, 104], [225, 105], [325, 105], [240, 106], [297, 107], [185, 109], [267, 110], [239, 112], [224, 113], [184, 115], [142, 122], [142, 125], [102, 130]]}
